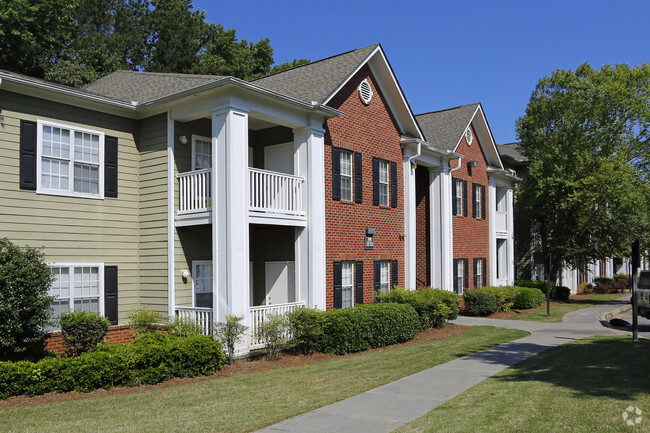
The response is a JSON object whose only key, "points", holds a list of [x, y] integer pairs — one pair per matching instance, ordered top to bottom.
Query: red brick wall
{"points": [[372, 131], [423, 224], [471, 235], [117, 334]]}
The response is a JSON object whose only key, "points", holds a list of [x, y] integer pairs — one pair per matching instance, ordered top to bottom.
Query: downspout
{"points": [[418, 153], [460, 161]]}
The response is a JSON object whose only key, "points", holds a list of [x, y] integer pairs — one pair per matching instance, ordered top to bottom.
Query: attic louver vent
{"points": [[365, 92], [469, 136]]}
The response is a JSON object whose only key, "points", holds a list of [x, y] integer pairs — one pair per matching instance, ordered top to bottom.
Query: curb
{"points": [[615, 313]]}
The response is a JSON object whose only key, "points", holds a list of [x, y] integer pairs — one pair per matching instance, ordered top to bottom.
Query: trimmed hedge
{"points": [[539, 284], [618, 286], [562, 293], [505, 296], [527, 297], [480, 303], [434, 306], [366, 327], [82, 331], [152, 358]]}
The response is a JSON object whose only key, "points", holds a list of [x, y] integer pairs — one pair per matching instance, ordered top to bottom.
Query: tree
{"points": [[585, 133], [25, 310]]}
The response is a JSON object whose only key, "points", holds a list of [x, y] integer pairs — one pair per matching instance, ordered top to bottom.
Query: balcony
{"points": [[274, 198]]}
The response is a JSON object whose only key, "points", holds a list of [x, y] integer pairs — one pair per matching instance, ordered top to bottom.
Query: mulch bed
{"points": [[286, 359]]}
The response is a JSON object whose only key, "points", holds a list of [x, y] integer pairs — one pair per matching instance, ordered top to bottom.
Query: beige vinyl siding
{"points": [[152, 146], [72, 229]]}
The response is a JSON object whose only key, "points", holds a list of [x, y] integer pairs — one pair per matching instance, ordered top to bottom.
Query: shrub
{"points": [[618, 277], [25, 280], [603, 280], [539, 284], [613, 287], [587, 289], [562, 293], [504, 295], [527, 297], [480, 303], [434, 307], [144, 320], [367, 326], [183, 327], [306, 328], [82, 331], [273, 332], [229, 333], [152, 358]]}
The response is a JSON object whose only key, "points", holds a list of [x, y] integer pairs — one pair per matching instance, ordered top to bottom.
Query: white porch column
{"points": [[492, 201], [410, 226], [230, 230], [511, 237], [441, 241], [310, 243]]}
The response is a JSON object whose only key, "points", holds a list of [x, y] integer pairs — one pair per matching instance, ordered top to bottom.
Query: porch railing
{"points": [[195, 191], [273, 192], [260, 314], [200, 316]]}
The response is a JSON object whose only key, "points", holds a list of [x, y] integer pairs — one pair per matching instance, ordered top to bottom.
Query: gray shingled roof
{"points": [[317, 80], [144, 87], [444, 128], [512, 152]]}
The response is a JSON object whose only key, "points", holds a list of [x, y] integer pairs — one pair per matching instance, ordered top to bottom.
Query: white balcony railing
{"points": [[195, 191], [272, 192], [501, 222], [260, 314], [201, 316]]}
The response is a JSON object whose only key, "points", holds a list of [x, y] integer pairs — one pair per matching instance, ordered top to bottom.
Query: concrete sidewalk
{"points": [[390, 406]]}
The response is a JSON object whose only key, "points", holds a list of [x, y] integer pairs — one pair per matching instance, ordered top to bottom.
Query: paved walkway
{"points": [[390, 406]]}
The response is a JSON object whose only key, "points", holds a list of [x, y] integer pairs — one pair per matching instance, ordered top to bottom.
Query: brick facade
{"points": [[372, 131], [423, 224], [472, 235], [115, 335]]}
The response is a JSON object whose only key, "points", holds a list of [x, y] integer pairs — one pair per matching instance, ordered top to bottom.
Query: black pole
{"points": [[636, 262], [548, 287]]}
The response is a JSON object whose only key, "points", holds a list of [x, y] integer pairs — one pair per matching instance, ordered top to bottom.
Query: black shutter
{"points": [[27, 155], [110, 166], [336, 173], [358, 178], [375, 181], [393, 184], [475, 192], [464, 198], [483, 200], [454, 206], [466, 272], [484, 272], [394, 274], [376, 276], [359, 283], [477, 283], [338, 285], [456, 288], [110, 294]]}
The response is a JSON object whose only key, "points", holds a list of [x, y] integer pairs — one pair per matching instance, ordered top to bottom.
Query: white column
{"points": [[310, 163], [492, 192], [410, 226], [171, 229], [230, 229], [441, 233], [511, 238]]}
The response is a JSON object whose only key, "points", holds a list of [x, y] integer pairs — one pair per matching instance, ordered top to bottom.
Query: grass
{"points": [[558, 311], [582, 386], [250, 401]]}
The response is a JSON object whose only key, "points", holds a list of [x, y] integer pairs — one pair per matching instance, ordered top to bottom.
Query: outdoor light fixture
{"points": [[183, 140], [472, 163], [369, 243], [185, 273]]}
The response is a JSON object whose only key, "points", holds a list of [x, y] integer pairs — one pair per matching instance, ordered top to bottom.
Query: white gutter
{"points": [[460, 161]]}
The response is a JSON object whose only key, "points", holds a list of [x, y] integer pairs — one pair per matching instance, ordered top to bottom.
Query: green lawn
{"points": [[558, 311], [582, 386], [250, 401]]}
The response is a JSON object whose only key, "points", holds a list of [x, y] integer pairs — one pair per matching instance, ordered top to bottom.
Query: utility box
{"points": [[643, 294]]}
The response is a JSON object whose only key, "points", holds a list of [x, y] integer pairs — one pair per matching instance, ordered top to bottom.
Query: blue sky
{"points": [[451, 53]]}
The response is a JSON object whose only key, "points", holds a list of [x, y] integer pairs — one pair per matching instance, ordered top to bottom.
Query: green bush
{"points": [[618, 277], [603, 280], [539, 284], [562, 293], [505, 296], [528, 297], [480, 303], [434, 307], [25, 311], [144, 320], [367, 326], [183, 327], [306, 328], [82, 331], [273, 332], [229, 333], [152, 358]]}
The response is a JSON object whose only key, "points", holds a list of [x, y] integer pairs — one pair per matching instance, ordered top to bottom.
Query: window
{"points": [[202, 152], [70, 161], [346, 175], [383, 182], [459, 197], [502, 203], [478, 204], [502, 258], [480, 272], [460, 275], [384, 276], [202, 283], [347, 284], [77, 287]]}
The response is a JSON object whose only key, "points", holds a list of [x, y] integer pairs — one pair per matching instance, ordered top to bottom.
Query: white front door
{"points": [[280, 282]]}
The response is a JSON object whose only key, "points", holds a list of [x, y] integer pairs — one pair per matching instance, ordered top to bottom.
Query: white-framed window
{"points": [[201, 152], [70, 160], [346, 175], [383, 182], [459, 196], [477, 201], [502, 202], [478, 273], [459, 275], [384, 276], [202, 284], [347, 284], [77, 287]]}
